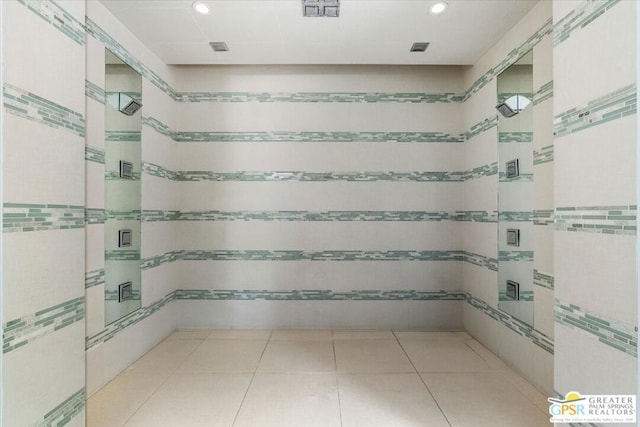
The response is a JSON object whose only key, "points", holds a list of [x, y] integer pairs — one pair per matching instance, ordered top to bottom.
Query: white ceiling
{"points": [[275, 32]]}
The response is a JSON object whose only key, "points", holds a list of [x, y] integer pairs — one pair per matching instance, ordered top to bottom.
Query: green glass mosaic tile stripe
{"points": [[580, 17], [59, 18], [121, 52], [511, 58], [94, 92], [545, 92], [320, 97], [612, 106], [32, 107], [158, 126], [481, 127], [122, 136], [286, 136], [515, 137], [93, 154], [543, 155], [160, 171], [481, 171], [115, 176], [320, 176], [523, 177], [130, 215], [150, 215], [94, 216], [476, 216], [515, 216], [24, 217], [543, 217], [597, 219], [122, 255], [298, 255], [519, 256], [480, 260], [156, 261], [94, 278], [542, 279], [114, 295], [318, 295], [523, 296], [120, 325], [517, 326], [21, 331], [615, 334], [62, 414]]}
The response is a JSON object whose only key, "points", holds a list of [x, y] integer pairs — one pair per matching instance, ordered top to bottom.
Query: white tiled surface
{"points": [[317, 378]]}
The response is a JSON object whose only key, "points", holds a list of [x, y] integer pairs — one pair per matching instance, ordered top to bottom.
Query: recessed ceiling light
{"points": [[201, 7], [438, 8]]}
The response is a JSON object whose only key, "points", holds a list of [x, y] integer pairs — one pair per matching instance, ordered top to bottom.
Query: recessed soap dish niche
{"points": [[512, 168], [513, 237], [124, 238], [513, 290], [125, 291]]}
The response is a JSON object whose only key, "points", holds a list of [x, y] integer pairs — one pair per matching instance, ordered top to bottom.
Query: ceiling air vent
{"points": [[315, 8], [219, 46], [419, 46]]}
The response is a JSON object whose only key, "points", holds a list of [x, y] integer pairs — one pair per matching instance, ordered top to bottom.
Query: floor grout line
{"points": [[335, 366], [421, 379], [235, 418]]}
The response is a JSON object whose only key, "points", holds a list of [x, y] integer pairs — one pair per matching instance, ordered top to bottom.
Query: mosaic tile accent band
{"points": [[587, 12], [59, 18], [511, 58], [94, 92], [545, 92], [320, 97], [30, 106], [612, 106], [158, 126], [481, 127], [123, 136], [287, 136], [515, 137], [94, 154], [543, 155], [481, 171], [115, 176], [320, 176], [523, 177], [133, 215], [153, 215], [94, 216], [515, 216], [25, 217], [543, 217], [597, 219], [122, 255], [299, 255], [519, 256], [158, 260], [481, 260], [94, 278], [542, 279], [110, 295], [318, 295], [522, 296], [118, 326], [517, 326], [23, 330], [618, 335], [65, 411]]}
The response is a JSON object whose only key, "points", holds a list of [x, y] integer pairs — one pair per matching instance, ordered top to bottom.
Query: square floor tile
{"points": [[199, 334], [240, 334], [302, 334], [362, 335], [420, 335], [167, 355], [225, 356], [298, 356], [371, 356], [444, 356], [483, 399], [193, 400], [296, 400], [396, 400], [116, 402]]}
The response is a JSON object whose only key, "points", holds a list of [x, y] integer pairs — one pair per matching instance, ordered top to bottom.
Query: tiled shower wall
{"points": [[43, 130], [320, 196], [595, 196], [112, 348], [528, 348]]}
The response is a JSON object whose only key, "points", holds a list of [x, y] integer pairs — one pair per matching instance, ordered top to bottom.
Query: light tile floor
{"points": [[325, 378]]}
